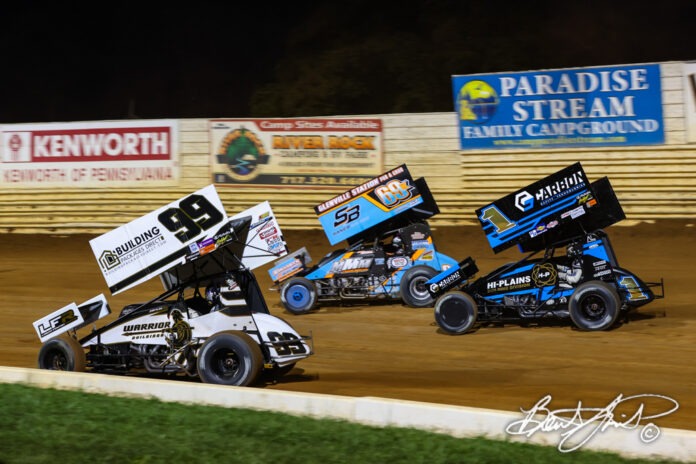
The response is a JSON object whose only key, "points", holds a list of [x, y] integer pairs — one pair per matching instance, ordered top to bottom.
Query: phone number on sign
{"points": [[322, 180]]}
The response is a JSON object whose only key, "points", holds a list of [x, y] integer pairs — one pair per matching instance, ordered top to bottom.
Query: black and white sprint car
{"points": [[577, 276], [211, 322]]}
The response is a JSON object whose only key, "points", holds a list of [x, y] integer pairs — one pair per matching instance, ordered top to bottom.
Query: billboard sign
{"points": [[578, 107], [312, 153], [89, 154]]}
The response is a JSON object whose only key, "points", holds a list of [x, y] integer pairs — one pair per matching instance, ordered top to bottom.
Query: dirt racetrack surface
{"points": [[393, 351]]}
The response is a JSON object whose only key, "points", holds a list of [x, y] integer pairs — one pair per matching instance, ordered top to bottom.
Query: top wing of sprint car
{"points": [[563, 216], [390, 251], [227, 337]]}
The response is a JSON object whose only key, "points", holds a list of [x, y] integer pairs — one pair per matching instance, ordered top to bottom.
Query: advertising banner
{"points": [[690, 101], [578, 107], [295, 152], [89, 154]]}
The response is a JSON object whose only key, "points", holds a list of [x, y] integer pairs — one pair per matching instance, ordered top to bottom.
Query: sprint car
{"points": [[390, 253], [578, 277], [211, 322]]}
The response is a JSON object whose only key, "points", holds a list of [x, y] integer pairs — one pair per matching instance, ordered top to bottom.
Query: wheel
{"points": [[414, 291], [298, 295], [594, 306], [456, 312], [62, 353], [230, 358]]}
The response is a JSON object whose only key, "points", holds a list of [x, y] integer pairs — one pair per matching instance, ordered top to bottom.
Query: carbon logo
{"points": [[524, 201]]}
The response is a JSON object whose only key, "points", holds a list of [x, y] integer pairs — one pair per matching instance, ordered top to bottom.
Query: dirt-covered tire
{"points": [[413, 288], [298, 295], [594, 305], [456, 312], [62, 353], [230, 358]]}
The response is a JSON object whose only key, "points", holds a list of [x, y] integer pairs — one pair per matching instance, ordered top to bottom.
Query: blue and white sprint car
{"points": [[390, 252]]}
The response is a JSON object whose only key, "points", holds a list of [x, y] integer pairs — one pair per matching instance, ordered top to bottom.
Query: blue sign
{"points": [[579, 107]]}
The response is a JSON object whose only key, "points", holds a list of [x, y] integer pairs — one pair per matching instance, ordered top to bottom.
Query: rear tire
{"points": [[413, 288], [298, 295], [594, 306], [456, 312], [62, 353], [230, 358]]}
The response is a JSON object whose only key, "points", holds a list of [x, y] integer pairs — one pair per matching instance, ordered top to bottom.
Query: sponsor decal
{"points": [[546, 194], [524, 201], [574, 213], [540, 229], [268, 232], [416, 244], [206, 246], [130, 250], [398, 262], [353, 264], [286, 270], [544, 274], [450, 279], [511, 283], [55, 322], [137, 329], [181, 332]]}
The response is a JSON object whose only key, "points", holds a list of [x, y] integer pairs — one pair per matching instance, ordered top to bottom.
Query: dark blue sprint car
{"points": [[570, 270]]}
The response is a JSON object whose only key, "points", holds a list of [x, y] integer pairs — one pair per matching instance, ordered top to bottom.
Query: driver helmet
{"points": [[396, 241], [574, 250], [212, 294]]}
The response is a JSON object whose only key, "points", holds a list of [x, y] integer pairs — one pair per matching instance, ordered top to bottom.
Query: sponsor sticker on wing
{"points": [[369, 204], [531, 211], [265, 241], [151, 244], [290, 265], [58, 322]]}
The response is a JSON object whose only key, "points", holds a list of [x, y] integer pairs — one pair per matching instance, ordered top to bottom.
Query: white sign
{"points": [[89, 154]]}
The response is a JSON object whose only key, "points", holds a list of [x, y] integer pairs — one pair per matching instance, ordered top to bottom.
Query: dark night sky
{"points": [[161, 60]]}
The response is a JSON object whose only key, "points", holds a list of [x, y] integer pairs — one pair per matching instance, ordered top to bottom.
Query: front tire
{"points": [[413, 288], [298, 295], [594, 306], [456, 312], [63, 353], [230, 358]]}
